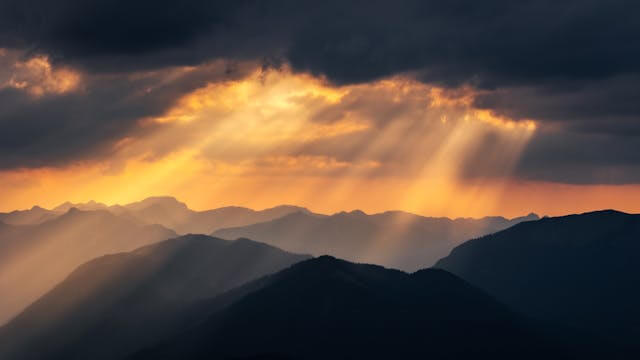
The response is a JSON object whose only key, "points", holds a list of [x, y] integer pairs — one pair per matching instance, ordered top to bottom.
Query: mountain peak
{"points": [[165, 200], [90, 205], [64, 207], [73, 210], [606, 212], [355, 213]]}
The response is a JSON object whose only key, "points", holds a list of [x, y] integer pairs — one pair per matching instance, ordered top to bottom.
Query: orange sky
{"points": [[277, 137]]}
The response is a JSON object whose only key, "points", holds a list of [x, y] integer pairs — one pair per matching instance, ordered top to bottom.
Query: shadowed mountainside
{"points": [[394, 239], [34, 258], [580, 271], [119, 303], [327, 308]]}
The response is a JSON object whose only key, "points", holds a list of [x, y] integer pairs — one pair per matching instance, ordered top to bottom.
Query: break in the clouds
{"points": [[570, 66]]}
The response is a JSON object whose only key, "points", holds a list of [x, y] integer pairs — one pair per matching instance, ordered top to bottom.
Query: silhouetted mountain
{"points": [[88, 206], [170, 213], [173, 214], [33, 216], [395, 239], [34, 258], [580, 271], [119, 303], [326, 308]]}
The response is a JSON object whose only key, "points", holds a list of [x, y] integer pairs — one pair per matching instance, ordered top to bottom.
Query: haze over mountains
{"points": [[383, 115], [163, 210], [35, 215], [177, 216], [395, 239], [34, 258], [579, 271], [115, 282], [168, 301], [118, 303]]}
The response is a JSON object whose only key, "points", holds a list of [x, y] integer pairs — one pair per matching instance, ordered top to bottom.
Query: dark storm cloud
{"points": [[117, 35], [487, 43], [570, 64], [55, 129]]}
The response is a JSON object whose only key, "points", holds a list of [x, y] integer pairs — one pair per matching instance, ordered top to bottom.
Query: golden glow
{"points": [[37, 76], [501, 121], [276, 137]]}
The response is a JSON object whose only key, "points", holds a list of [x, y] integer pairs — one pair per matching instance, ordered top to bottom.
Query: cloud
{"points": [[489, 44], [570, 66], [47, 123]]}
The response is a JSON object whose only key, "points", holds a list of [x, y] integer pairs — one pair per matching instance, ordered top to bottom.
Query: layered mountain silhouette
{"points": [[88, 206], [165, 211], [173, 214], [35, 215], [394, 239], [34, 258], [579, 271], [553, 288], [119, 303], [327, 308]]}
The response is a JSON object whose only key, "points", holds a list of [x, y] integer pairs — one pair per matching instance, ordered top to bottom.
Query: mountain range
{"points": [[162, 210], [35, 215], [394, 239], [34, 258], [108, 282], [115, 304], [326, 308]]}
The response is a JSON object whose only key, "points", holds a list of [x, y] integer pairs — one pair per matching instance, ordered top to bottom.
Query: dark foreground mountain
{"points": [[394, 239], [34, 258], [581, 271], [118, 303], [326, 308]]}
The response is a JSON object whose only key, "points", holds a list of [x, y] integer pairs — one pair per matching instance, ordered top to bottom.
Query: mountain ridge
{"points": [[393, 238], [36, 257], [569, 289], [117, 303], [331, 308]]}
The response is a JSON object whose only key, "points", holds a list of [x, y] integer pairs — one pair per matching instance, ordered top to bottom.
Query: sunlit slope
{"points": [[34, 258], [116, 304]]}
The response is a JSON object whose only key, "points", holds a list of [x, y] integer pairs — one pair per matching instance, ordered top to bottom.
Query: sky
{"points": [[457, 108]]}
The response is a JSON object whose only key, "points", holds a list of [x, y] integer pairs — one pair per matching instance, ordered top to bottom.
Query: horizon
{"points": [[331, 211], [524, 214]]}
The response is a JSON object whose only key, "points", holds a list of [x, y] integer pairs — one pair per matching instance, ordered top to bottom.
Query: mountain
{"points": [[88, 206], [163, 210], [35, 215], [175, 215], [394, 239], [34, 258], [581, 271], [119, 303], [327, 308]]}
